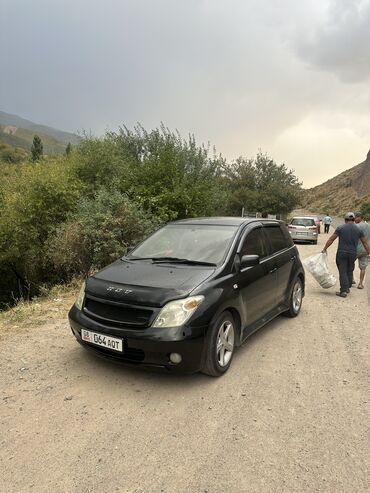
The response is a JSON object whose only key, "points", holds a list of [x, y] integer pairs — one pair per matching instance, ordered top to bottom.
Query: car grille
{"points": [[118, 315]]}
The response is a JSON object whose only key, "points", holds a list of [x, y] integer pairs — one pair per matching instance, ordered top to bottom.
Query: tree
{"points": [[37, 149], [68, 149], [170, 177], [261, 185], [34, 199]]}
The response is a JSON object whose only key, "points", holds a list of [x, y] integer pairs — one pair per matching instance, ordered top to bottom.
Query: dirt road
{"points": [[291, 415]]}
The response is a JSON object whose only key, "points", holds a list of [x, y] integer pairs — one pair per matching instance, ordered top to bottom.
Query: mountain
{"points": [[16, 121], [23, 138], [345, 192]]}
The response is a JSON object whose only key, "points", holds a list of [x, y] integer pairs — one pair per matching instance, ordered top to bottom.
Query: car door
{"points": [[282, 250], [257, 284]]}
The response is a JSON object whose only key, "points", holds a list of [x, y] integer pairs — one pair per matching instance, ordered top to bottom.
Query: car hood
{"points": [[146, 283]]}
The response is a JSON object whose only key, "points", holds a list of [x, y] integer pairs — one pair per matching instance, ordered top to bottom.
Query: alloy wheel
{"points": [[297, 296], [225, 343]]}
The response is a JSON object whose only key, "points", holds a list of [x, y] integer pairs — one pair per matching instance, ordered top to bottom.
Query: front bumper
{"points": [[146, 347]]}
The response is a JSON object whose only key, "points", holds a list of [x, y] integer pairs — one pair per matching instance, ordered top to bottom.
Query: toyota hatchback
{"points": [[190, 294]]}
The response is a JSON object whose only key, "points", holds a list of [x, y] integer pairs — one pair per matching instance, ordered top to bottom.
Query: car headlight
{"points": [[80, 297], [177, 312]]}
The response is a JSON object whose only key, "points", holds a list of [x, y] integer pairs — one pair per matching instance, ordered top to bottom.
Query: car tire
{"points": [[314, 242], [295, 299], [219, 345]]}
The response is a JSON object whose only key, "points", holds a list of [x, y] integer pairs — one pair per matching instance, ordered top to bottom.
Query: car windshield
{"points": [[303, 221], [200, 243]]}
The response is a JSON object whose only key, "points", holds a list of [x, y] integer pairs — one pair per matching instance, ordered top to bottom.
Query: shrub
{"points": [[33, 200], [97, 233]]}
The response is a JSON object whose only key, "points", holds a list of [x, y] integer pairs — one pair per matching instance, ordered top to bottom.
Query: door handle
{"points": [[292, 258], [273, 270]]}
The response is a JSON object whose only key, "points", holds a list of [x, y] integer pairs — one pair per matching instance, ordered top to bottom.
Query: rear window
{"points": [[302, 221], [276, 237]]}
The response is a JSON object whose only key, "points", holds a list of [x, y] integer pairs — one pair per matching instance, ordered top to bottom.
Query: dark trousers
{"points": [[327, 226], [346, 264]]}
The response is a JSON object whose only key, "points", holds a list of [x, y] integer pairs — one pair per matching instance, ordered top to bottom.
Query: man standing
{"points": [[327, 223], [349, 235], [363, 259]]}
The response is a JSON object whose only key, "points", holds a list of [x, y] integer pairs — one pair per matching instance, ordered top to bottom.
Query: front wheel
{"points": [[295, 299], [220, 346]]}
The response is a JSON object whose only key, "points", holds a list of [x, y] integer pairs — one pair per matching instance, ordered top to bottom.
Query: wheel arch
{"points": [[236, 316]]}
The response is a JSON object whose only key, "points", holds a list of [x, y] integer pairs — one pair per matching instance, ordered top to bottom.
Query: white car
{"points": [[303, 229]]}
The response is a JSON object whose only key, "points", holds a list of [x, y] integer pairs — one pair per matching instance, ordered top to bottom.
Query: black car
{"points": [[190, 293]]}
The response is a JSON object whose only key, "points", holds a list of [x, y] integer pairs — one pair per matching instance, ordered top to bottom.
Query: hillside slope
{"points": [[35, 128], [23, 138], [345, 192]]}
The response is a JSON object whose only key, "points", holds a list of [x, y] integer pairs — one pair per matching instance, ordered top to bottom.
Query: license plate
{"points": [[301, 233], [102, 340]]}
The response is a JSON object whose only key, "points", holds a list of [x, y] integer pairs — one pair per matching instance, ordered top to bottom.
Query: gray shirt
{"points": [[365, 228], [349, 235]]}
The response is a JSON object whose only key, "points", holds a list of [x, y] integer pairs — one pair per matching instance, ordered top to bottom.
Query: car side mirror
{"points": [[249, 261]]}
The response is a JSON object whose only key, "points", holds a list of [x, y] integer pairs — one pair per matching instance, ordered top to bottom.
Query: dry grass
{"points": [[50, 305]]}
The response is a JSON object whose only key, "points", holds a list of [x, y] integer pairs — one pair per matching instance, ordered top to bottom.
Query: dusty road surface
{"points": [[291, 415]]}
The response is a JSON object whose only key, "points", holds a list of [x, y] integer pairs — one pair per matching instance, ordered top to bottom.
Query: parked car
{"points": [[318, 223], [303, 229], [190, 293]]}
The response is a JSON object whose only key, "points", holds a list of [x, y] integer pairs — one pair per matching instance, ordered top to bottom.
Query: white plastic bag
{"points": [[318, 266]]}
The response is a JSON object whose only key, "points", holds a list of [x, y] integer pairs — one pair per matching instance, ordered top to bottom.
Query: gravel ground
{"points": [[291, 415]]}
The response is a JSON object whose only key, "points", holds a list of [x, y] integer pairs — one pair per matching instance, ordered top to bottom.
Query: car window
{"points": [[302, 221], [276, 237], [288, 239], [204, 242], [255, 244]]}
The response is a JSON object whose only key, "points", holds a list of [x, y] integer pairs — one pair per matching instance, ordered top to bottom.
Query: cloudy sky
{"points": [[289, 77]]}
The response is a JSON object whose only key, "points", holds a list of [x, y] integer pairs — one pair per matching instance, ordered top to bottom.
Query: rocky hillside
{"points": [[10, 120], [18, 132], [22, 138], [347, 191]]}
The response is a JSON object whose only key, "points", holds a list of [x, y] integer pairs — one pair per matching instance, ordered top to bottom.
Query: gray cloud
{"points": [[341, 41]]}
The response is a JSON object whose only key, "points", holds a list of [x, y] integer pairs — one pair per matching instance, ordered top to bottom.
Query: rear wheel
{"points": [[295, 300], [220, 346]]}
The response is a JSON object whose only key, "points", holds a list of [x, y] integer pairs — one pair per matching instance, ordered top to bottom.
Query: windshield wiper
{"points": [[137, 258], [174, 260]]}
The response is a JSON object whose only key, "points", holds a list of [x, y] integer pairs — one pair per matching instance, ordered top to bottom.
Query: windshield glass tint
{"points": [[301, 221], [204, 243]]}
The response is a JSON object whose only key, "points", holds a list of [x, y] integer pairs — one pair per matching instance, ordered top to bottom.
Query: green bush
{"points": [[13, 155], [168, 176], [261, 185], [33, 200], [98, 232]]}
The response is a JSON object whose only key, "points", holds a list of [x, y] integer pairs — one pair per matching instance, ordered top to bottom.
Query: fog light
{"points": [[175, 358]]}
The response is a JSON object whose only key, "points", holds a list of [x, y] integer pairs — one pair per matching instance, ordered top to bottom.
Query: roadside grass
{"points": [[52, 304]]}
